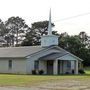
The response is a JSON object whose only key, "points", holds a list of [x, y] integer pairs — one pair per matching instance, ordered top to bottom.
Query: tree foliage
{"points": [[16, 27], [3, 29], [38, 29], [16, 31], [75, 45]]}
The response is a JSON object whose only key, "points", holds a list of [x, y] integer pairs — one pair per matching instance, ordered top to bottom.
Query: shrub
{"points": [[73, 71], [81, 71], [34, 72], [41, 72], [67, 73]]}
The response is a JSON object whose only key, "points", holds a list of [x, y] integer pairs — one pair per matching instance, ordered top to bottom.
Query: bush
{"points": [[73, 71], [81, 71], [34, 72], [41, 72], [67, 73]]}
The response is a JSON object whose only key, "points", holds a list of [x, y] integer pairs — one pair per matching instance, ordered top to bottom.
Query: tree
{"points": [[17, 28], [3, 29], [38, 29], [83, 36], [71, 43], [74, 45], [84, 53]]}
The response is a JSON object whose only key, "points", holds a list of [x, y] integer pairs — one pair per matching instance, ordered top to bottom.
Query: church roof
{"points": [[14, 52], [22, 52], [53, 56]]}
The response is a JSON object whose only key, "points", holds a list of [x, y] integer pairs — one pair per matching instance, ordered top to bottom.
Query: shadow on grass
{"points": [[46, 74], [62, 75]]}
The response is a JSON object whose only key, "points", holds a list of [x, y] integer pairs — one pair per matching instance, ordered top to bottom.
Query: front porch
{"points": [[58, 63], [56, 67]]}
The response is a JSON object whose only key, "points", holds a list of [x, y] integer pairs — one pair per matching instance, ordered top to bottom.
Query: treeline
{"points": [[15, 32]]}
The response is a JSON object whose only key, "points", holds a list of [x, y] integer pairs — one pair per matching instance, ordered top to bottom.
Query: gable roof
{"points": [[24, 51], [14, 52], [21, 52], [53, 56], [60, 56]]}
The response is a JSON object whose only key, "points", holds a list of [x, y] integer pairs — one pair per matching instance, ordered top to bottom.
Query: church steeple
{"points": [[49, 24], [49, 40]]}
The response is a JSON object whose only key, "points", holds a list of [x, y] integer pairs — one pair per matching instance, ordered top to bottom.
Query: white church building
{"points": [[47, 57]]}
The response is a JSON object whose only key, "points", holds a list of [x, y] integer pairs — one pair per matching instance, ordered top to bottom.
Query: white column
{"points": [[72, 65], [55, 67], [76, 67]]}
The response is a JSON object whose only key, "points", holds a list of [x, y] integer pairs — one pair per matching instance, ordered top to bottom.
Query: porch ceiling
{"points": [[53, 56]]}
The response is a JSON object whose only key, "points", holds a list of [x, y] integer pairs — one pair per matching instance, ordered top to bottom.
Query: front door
{"points": [[50, 67]]}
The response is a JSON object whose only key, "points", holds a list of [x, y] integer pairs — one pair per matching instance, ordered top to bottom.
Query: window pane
{"points": [[10, 64], [36, 64], [68, 64]]}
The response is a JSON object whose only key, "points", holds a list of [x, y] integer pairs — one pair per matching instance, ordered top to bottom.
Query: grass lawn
{"points": [[87, 70], [29, 80], [35, 80]]}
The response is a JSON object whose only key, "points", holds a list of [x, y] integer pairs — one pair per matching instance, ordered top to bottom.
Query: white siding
{"points": [[49, 40], [67, 57], [30, 60], [30, 65], [4, 66], [18, 66]]}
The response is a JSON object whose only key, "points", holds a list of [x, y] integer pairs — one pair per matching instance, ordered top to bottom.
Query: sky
{"points": [[71, 16]]}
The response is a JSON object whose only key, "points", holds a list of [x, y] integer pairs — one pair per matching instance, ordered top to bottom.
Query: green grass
{"points": [[87, 70], [29, 80]]}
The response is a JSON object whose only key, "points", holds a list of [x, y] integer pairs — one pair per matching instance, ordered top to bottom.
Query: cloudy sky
{"points": [[70, 16]]}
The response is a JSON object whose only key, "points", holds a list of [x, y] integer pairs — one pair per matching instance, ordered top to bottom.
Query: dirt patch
{"points": [[56, 85], [65, 85]]}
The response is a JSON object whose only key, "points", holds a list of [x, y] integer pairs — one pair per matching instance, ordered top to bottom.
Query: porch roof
{"points": [[53, 56]]}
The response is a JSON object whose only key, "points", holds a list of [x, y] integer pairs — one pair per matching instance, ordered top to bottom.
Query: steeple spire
{"points": [[49, 24], [49, 40]]}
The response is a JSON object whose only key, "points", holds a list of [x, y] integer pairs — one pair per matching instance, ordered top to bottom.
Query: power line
{"points": [[84, 14]]}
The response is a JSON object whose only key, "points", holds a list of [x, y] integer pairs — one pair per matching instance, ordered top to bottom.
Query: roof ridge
{"points": [[18, 47]]}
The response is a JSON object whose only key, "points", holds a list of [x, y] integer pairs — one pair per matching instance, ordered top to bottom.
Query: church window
{"points": [[10, 64], [68, 64], [36, 65]]}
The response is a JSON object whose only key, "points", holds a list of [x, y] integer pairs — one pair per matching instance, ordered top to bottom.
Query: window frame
{"points": [[10, 64], [36, 65]]}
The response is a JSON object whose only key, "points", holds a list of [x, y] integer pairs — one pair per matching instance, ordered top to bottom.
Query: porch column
{"points": [[72, 65], [55, 67], [76, 67]]}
